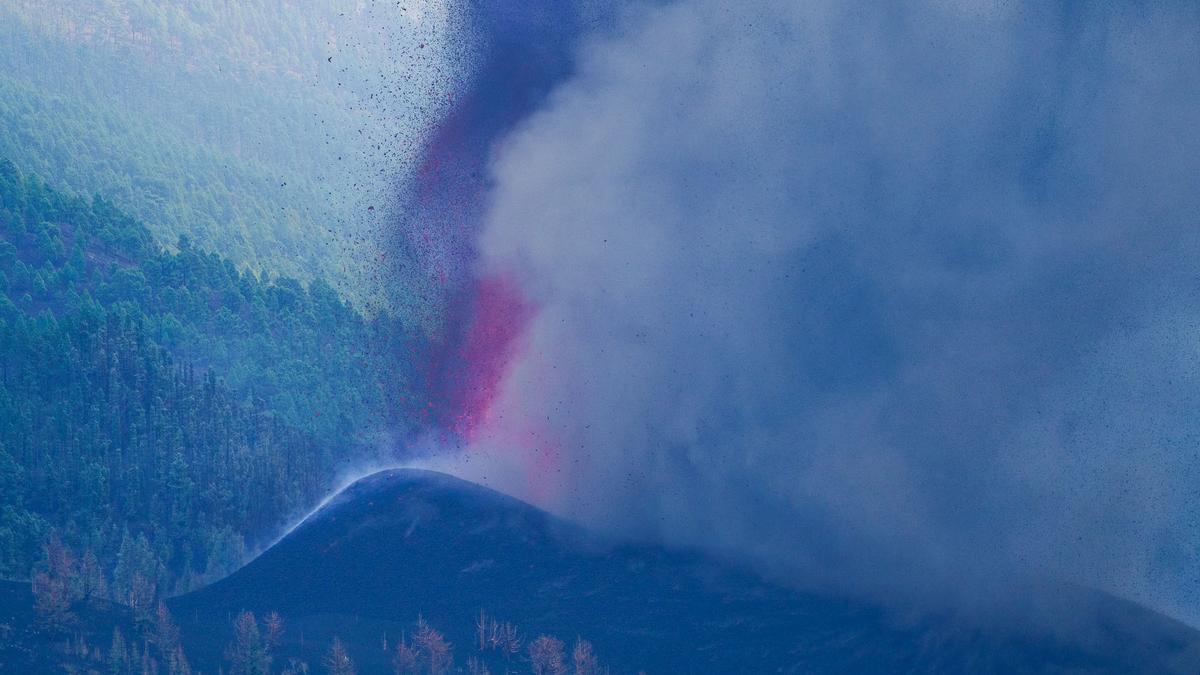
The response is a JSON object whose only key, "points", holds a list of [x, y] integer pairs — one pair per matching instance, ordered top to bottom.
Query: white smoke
{"points": [[882, 293]]}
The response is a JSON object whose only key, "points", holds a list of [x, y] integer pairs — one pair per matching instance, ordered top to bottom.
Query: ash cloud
{"points": [[892, 296]]}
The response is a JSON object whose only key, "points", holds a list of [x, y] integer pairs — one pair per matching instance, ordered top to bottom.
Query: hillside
{"points": [[274, 137], [163, 407], [404, 543], [26, 647]]}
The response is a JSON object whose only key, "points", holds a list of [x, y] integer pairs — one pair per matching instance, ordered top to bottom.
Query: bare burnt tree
{"points": [[55, 585], [273, 630], [481, 630], [504, 638], [432, 648], [248, 653], [546, 656], [583, 657], [404, 659], [337, 660], [476, 666]]}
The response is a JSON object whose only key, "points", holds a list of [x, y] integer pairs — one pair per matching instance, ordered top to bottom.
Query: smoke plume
{"points": [[888, 294]]}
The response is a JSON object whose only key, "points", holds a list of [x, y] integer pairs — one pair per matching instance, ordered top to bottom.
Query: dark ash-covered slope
{"points": [[404, 542]]}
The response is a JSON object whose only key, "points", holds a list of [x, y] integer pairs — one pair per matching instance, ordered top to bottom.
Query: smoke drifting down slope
{"points": [[898, 297]]}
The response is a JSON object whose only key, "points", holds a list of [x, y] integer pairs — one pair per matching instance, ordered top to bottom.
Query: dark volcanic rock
{"points": [[405, 542]]}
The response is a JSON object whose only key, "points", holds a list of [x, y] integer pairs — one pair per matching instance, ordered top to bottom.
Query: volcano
{"points": [[403, 543]]}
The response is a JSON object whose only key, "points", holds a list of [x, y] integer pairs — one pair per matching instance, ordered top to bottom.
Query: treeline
{"points": [[163, 412], [67, 591], [70, 600], [498, 647]]}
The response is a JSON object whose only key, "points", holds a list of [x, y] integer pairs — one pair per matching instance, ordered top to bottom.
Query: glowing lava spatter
{"points": [[518, 53], [469, 373]]}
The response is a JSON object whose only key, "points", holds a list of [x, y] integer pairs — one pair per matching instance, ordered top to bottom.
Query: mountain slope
{"points": [[260, 133], [169, 398], [404, 542], [27, 647]]}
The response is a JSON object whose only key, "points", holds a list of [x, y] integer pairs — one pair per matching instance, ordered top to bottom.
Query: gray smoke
{"points": [[888, 294]]}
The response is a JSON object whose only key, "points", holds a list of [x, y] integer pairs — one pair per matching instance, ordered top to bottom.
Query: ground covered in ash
{"points": [[406, 543]]}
